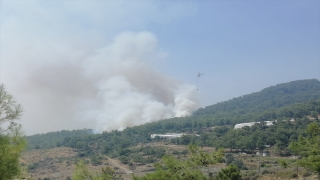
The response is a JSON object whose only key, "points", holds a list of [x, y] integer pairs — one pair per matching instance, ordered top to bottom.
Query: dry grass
{"points": [[59, 163]]}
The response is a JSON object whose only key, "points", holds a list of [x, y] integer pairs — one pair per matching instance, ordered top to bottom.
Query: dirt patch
{"points": [[59, 163]]}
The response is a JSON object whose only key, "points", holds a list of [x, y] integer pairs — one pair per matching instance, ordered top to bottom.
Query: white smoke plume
{"points": [[66, 66], [111, 88], [130, 91]]}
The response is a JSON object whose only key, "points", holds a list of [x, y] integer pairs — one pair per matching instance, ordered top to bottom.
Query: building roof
{"points": [[241, 125]]}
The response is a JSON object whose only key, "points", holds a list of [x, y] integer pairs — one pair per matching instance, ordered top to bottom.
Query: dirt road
{"points": [[116, 163]]}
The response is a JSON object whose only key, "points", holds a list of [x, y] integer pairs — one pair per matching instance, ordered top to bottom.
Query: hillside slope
{"points": [[269, 98], [287, 100], [133, 146]]}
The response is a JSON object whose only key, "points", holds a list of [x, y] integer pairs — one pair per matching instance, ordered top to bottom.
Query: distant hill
{"points": [[269, 98], [295, 99], [213, 125]]}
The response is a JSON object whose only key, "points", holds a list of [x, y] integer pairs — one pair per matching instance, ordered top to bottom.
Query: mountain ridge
{"points": [[268, 98]]}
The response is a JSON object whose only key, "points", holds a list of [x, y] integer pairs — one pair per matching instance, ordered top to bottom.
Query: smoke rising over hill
{"points": [[111, 88], [129, 91]]}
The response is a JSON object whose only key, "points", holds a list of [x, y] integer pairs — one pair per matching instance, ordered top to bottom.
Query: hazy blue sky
{"points": [[244, 46], [68, 59]]}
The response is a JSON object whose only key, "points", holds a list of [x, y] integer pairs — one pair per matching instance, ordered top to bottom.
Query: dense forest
{"points": [[212, 129]]}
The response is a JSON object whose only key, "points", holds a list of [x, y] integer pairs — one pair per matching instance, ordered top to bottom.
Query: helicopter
{"points": [[199, 74]]}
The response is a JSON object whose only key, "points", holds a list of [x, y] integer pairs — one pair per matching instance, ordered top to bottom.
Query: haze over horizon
{"points": [[111, 64]]}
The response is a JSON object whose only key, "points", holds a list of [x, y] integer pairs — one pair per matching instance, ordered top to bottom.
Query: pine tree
{"points": [[11, 141], [308, 147]]}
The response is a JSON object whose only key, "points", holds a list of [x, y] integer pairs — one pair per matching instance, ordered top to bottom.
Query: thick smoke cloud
{"points": [[66, 66], [111, 88], [131, 92]]}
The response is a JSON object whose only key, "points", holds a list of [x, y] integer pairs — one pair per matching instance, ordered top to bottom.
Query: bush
{"points": [[175, 152], [184, 152], [160, 153], [81, 154], [137, 158], [123, 159], [229, 159], [96, 160], [149, 160], [237, 162], [240, 164], [33, 166], [132, 167], [267, 172], [229, 173], [250, 173], [306, 174]]}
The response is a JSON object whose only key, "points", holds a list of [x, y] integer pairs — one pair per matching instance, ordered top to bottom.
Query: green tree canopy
{"points": [[10, 111], [11, 141], [11, 146], [308, 147], [173, 168], [231, 172], [83, 173]]}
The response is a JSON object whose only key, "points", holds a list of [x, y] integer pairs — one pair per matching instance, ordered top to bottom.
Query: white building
{"points": [[241, 125], [167, 136]]}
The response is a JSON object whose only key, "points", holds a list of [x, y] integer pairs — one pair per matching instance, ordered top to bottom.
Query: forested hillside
{"points": [[268, 98], [249, 108], [53, 139], [131, 145]]}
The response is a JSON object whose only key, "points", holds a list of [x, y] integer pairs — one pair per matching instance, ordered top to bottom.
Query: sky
{"points": [[111, 64]]}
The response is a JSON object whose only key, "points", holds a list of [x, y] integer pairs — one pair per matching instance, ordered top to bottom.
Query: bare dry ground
{"points": [[56, 163], [59, 163]]}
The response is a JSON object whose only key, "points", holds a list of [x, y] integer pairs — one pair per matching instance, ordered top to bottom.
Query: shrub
{"points": [[175, 152], [184, 152], [123, 159], [229, 159], [96, 160], [240, 164], [33, 166], [266, 172], [306, 174]]}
